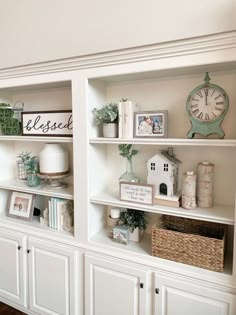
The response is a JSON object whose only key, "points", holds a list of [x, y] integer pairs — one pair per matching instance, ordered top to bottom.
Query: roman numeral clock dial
{"points": [[206, 106]]}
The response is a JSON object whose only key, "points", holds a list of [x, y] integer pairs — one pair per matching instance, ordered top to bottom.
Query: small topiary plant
{"points": [[107, 114], [134, 219]]}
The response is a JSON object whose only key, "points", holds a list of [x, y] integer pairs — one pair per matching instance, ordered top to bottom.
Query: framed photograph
{"points": [[47, 123], [150, 124], [138, 193], [21, 205]]}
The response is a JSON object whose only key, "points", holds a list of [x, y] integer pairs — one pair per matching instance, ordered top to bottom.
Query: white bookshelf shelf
{"points": [[37, 139], [168, 141], [66, 193], [219, 213], [34, 225], [144, 249]]}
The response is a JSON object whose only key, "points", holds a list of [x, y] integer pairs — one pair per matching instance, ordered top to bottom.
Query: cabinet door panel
{"points": [[51, 279], [12, 285], [112, 288], [184, 298]]}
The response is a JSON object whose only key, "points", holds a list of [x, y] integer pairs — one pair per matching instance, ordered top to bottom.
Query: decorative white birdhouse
{"points": [[163, 173]]}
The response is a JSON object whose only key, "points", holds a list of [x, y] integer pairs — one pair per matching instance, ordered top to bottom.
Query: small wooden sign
{"points": [[47, 123], [138, 193]]}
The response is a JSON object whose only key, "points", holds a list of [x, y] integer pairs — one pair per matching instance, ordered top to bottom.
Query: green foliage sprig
{"points": [[107, 114], [127, 151], [25, 157], [32, 165], [134, 219]]}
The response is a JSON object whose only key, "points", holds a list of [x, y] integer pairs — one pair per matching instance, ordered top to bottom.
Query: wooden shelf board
{"points": [[37, 139], [168, 141], [66, 193], [219, 213], [34, 224], [144, 248]]}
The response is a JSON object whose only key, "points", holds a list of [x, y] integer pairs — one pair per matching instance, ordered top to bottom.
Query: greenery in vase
{"points": [[107, 114], [127, 151], [32, 165], [134, 219]]}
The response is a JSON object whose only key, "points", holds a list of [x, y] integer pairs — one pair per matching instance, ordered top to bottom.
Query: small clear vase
{"points": [[129, 176], [33, 180]]}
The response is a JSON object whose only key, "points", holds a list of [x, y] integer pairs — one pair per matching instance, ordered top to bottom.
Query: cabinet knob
{"points": [[19, 247], [28, 251], [141, 285], [157, 291]]}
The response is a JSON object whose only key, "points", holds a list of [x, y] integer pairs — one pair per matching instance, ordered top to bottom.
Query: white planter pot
{"points": [[110, 130], [136, 235]]}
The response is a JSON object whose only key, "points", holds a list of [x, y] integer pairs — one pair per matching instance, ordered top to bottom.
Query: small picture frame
{"points": [[151, 124], [21, 205], [121, 234]]}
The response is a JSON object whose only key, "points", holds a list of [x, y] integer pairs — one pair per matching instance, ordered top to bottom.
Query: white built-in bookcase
{"points": [[156, 78], [153, 85], [37, 94]]}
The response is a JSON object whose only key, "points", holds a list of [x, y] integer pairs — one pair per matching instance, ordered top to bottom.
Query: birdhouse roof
{"points": [[167, 157], [171, 158]]}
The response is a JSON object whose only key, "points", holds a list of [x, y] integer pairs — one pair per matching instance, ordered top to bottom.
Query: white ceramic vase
{"points": [[110, 130], [53, 160]]}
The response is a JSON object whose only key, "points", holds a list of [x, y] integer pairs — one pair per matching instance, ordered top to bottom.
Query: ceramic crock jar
{"points": [[53, 160]]}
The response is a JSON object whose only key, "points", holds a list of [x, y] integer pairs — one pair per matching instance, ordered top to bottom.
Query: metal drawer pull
{"points": [[19, 247], [28, 251], [141, 285], [157, 291]]}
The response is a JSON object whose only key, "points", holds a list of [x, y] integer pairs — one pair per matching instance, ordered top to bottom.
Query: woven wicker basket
{"points": [[188, 241]]}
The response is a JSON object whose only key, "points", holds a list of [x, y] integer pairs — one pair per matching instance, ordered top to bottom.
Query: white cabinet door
{"points": [[12, 267], [52, 278], [114, 289], [177, 297]]}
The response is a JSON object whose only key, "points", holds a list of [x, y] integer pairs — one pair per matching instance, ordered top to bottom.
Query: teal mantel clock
{"points": [[206, 106]]}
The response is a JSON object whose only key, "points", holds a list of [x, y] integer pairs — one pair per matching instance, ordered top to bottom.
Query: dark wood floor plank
{"points": [[8, 310]]}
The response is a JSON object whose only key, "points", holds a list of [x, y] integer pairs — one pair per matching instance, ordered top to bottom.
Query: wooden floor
{"points": [[7, 310]]}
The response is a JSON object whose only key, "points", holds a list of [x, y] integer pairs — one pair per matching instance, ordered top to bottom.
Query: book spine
{"points": [[128, 110], [121, 119], [49, 213], [55, 213], [59, 214]]}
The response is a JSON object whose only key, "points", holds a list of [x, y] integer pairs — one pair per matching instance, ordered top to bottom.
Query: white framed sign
{"points": [[47, 123], [138, 193]]}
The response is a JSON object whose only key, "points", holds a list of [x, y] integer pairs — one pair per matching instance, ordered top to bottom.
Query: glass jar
{"points": [[33, 180]]}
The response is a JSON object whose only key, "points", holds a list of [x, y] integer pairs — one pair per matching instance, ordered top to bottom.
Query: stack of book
{"points": [[126, 119], [173, 201], [55, 213]]}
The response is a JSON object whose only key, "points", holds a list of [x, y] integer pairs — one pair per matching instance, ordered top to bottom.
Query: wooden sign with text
{"points": [[47, 123], [138, 193]]}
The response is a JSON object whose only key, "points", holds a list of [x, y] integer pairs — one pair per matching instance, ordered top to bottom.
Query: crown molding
{"points": [[201, 44]]}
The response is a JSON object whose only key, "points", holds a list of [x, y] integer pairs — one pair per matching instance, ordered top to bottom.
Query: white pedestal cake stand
{"points": [[52, 181]]}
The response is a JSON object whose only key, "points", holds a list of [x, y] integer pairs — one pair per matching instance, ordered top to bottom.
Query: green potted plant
{"points": [[107, 116], [128, 152], [22, 160], [32, 167], [136, 222]]}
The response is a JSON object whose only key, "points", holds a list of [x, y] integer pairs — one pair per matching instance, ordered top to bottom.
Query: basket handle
{"points": [[19, 107]]}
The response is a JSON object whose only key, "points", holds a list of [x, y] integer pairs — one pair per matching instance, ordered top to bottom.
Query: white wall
{"points": [[34, 31]]}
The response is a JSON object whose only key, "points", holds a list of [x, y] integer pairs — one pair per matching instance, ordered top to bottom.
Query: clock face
{"points": [[207, 104]]}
